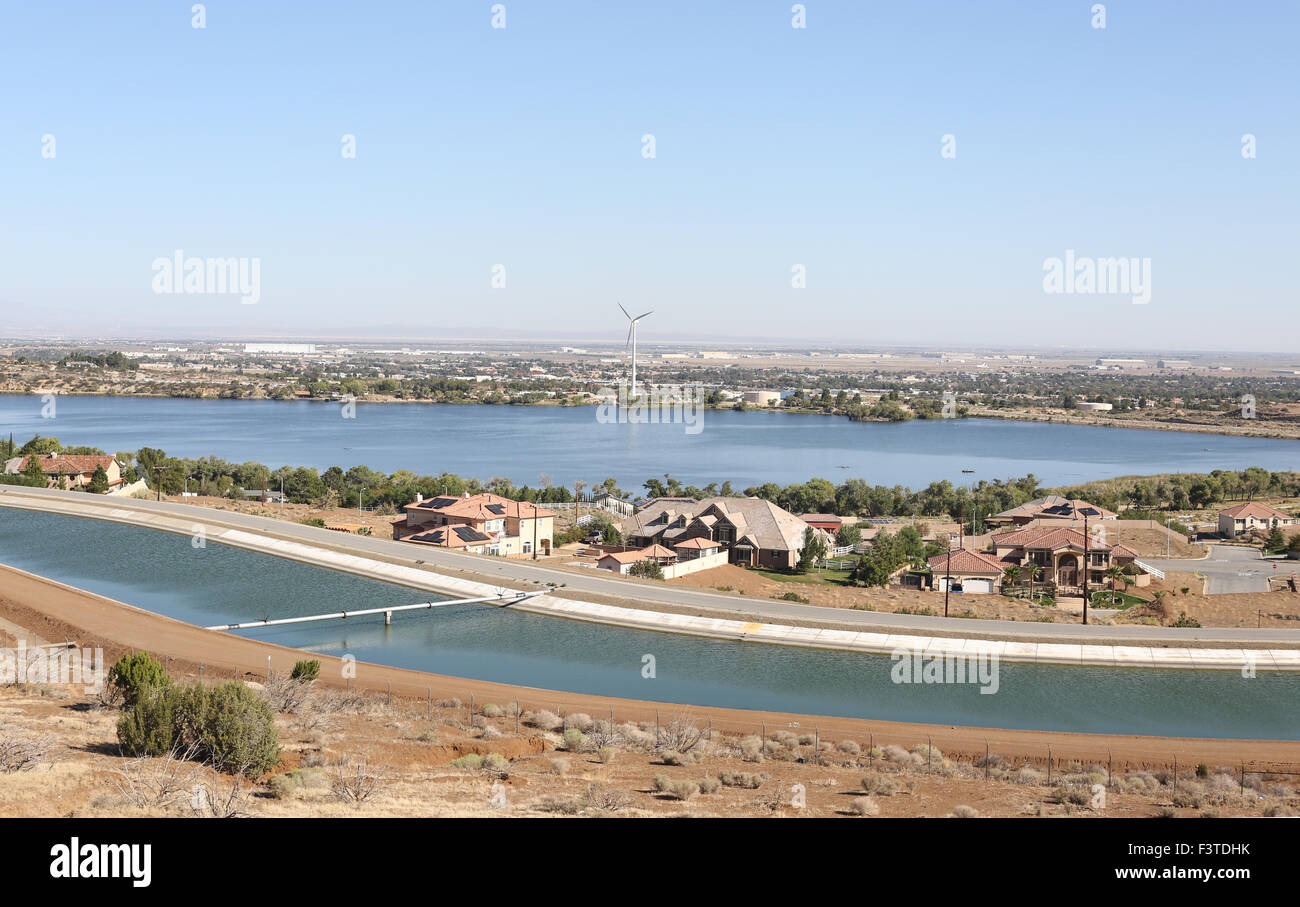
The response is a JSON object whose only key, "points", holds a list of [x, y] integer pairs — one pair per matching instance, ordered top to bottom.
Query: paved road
{"points": [[1230, 568], [680, 596]]}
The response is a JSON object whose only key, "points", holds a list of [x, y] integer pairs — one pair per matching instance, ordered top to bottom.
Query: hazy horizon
{"points": [[131, 135]]}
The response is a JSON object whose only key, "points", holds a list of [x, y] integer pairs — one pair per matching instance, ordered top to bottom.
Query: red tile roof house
{"points": [[75, 469], [1243, 518], [480, 524], [1058, 553], [622, 561], [970, 571]]}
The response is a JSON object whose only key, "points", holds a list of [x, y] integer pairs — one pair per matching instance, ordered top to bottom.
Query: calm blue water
{"points": [[521, 443], [218, 584]]}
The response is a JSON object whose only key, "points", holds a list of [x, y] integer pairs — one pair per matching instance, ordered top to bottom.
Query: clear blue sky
{"points": [[775, 146]]}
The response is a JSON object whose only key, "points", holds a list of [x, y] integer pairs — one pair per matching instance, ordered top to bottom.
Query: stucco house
{"points": [[75, 470], [1052, 507], [1252, 515], [481, 524], [1059, 555], [623, 561]]}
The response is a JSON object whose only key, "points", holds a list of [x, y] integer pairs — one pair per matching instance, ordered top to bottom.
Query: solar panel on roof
{"points": [[497, 508], [467, 534]]}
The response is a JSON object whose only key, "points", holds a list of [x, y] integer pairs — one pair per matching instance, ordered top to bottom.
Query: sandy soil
{"points": [[58, 612], [409, 750]]}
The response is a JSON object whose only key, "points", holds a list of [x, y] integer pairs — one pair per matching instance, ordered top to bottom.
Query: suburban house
{"points": [[73, 469], [645, 503], [1052, 507], [1243, 518], [828, 522], [481, 524], [753, 532], [696, 548], [1057, 553], [623, 561], [971, 571]]}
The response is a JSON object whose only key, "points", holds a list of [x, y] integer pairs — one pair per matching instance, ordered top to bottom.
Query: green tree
{"points": [[98, 483], [814, 550], [136, 672]]}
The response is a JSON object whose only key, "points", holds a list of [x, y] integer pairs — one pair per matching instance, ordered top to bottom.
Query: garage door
{"points": [[982, 586]]}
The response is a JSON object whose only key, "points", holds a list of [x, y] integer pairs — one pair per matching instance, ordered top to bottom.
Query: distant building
{"points": [[287, 349], [1122, 363], [1173, 363], [762, 398], [1094, 407], [827, 522]]}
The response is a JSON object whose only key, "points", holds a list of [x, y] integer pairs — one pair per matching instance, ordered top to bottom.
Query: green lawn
{"points": [[1102, 599]]}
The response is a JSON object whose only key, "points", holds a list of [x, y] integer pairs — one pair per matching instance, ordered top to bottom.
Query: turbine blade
{"points": [[625, 312], [642, 315], [630, 328]]}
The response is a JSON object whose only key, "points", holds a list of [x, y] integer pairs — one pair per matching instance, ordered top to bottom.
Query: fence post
{"points": [[200, 672], [428, 695], [516, 716], [817, 745], [929, 749], [986, 760], [1110, 763], [1049, 766], [1175, 773], [1243, 779]]}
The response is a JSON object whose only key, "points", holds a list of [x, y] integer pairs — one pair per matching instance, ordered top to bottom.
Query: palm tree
{"points": [[1033, 571], [1116, 574], [1010, 576]]}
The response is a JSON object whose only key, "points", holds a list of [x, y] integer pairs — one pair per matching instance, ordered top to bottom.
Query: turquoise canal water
{"points": [[568, 443], [219, 584]]}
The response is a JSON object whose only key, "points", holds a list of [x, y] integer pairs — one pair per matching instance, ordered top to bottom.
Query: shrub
{"points": [[646, 570], [305, 670], [135, 672], [492, 711], [542, 719], [228, 725], [237, 729], [574, 740], [849, 748], [751, 749], [605, 754], [471, 761], [560, 766], [745, 780], [710, 785], [881, 785], [683, 790], [603, 796], [864, 806], [965, 812]]}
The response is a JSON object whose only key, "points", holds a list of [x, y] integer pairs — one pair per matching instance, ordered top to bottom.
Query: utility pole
{"points": [[157, 476], [1085, 568], [947, 584]]}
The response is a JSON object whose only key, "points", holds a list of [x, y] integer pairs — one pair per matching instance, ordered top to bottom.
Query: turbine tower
{"points": [[631, 341]]}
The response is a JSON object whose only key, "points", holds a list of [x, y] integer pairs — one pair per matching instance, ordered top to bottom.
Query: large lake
{"points": [[521, 443]]}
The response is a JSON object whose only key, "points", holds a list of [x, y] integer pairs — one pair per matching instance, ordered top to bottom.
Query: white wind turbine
{"points": [[631, 341]]}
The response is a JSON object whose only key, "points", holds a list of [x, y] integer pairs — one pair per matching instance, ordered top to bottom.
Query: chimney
{"points": [[418, 497]]}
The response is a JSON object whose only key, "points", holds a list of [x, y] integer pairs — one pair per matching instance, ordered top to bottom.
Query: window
{"points": [[528, 547]]}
